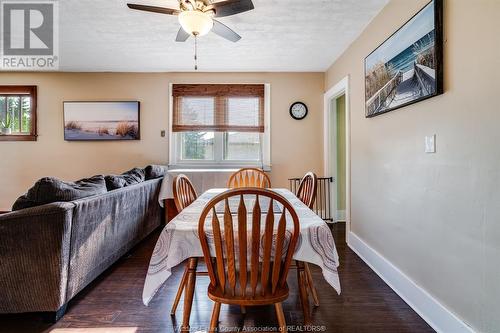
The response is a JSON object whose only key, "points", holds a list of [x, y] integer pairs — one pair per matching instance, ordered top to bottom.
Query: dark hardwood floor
{"points": [[113, 303]]}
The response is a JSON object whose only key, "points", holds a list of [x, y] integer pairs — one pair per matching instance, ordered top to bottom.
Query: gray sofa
{"points": [[51, 252]]}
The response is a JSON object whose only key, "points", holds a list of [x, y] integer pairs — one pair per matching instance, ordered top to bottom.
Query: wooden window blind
{"points": [[218, 107]]}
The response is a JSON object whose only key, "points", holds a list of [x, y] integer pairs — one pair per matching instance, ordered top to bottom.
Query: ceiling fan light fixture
{"points": [[195, 22]]}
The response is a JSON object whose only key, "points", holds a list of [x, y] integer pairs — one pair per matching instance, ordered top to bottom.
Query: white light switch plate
{"points": [[430, 144]]}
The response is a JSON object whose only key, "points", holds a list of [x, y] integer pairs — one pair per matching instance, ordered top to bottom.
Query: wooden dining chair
{"points": [[249, 177], [307, 189], [184, 192], [307, 194], [184, 195], [234, 243]]}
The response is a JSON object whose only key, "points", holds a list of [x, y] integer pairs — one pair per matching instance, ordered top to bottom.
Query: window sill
{"points": [[17, 137], [213, 168], [200, 170]]}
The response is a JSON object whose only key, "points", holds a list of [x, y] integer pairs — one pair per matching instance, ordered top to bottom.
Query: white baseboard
{"points": [[340, 215], [434, 313]]}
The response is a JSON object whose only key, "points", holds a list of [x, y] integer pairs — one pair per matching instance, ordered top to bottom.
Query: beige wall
{"points": [[296, 145], [435, 216]]}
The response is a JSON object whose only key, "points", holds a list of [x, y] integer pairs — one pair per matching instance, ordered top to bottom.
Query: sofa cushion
{"points": [[155, 171], [131, 177], [49, 189], [23, 202]]}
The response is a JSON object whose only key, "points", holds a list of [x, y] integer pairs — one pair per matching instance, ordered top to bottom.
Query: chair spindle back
{"points": [[249, 177], [307, 189], [184, 192], [243, 271]]}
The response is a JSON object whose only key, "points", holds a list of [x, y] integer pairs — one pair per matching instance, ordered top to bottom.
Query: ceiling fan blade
{"points": [[231, 7], [161, 10], [225, 32], [182, 35]]}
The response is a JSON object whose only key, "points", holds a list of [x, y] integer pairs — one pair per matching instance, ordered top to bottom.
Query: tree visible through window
{"points": [[17, 113], [198, 145]]}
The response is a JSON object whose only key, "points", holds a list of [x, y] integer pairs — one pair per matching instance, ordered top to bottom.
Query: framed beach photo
{"points": [[408, 66], [101, 121]]}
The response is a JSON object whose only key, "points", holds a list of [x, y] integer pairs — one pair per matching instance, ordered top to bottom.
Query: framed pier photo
{"points": [[408, 66]]}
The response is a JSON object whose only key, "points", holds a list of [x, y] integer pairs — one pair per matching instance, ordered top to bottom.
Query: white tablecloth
{"points": [[179, 241]]}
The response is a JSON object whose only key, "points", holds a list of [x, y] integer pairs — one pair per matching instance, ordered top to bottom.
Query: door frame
{"points": [[330, 108]]}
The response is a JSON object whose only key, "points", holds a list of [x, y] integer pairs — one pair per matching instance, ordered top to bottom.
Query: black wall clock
{"points": [[298, 110]]}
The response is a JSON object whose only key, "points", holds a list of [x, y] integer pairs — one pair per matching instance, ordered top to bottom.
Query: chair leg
{"points": [[180, 290], [314, 293], [188, 294], [304, 298], [281, 317], [214, 321]]}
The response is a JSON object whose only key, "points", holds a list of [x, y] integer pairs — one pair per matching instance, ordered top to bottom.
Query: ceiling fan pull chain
{"points": [[195, 52]]}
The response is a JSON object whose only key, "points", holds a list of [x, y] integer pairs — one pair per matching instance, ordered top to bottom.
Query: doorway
{"points": [[337, 150]]}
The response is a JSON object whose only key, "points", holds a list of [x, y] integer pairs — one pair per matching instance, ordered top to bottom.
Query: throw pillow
{"points": [[155, 171], [128, 178], [49, 189]]}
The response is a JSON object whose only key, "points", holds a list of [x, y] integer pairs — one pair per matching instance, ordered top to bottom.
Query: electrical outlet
{"points": [[162, 133]]}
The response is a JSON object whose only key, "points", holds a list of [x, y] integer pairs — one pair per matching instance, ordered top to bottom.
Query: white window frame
{"points": [[218, 161]]}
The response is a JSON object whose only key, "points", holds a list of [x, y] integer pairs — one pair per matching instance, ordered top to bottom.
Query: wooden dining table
{"points": [[179, 241]]}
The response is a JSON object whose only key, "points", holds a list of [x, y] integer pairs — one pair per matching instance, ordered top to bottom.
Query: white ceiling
{"points": [[278, 35]]}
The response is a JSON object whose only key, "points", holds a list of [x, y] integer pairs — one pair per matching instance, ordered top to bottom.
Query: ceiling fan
{"points": [[197, 16]]}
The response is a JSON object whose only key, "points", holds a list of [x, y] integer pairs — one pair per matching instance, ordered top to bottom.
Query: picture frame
{"points": [[408, 66], [101, 120]]}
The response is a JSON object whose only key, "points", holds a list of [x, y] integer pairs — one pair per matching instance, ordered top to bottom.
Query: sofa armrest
{"points": [[34, 256]]}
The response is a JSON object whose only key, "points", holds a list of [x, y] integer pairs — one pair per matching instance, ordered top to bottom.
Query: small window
{"points": [[18, 113], [220, 125]]}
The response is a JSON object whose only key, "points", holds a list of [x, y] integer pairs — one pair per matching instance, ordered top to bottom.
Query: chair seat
{"points": [[216, 295]]}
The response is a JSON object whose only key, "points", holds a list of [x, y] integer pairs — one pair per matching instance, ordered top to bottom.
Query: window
{"points": [[18, 113], [219, 125], [242, 146]]}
